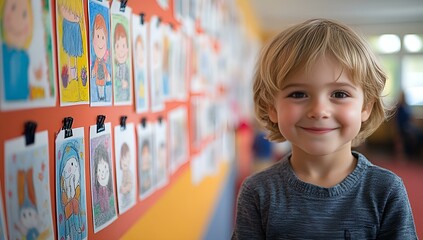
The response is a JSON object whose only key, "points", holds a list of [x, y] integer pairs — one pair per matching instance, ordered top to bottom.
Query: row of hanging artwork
{"points": [[130, 61], [27, 180]]}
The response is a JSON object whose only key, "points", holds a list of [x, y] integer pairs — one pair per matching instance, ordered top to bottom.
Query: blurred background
{"points": [[394, 29]]}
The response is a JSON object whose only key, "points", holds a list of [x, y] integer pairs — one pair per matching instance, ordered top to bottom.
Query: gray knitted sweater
{"points": [[370, 203]]}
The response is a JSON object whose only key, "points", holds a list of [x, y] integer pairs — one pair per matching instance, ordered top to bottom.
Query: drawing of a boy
{"points": [[121, 53], [99, 69]]}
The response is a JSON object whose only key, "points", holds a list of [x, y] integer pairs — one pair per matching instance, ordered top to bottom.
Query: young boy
{"points": [[318, 86]]}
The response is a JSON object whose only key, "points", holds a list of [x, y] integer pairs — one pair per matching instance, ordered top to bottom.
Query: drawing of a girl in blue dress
{"points": [[72, 14], [16, 31]]}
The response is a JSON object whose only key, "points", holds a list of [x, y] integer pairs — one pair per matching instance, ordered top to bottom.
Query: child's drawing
{"points": [[139, 43], [72, 52], [122, 54], [156, 64], [27, 70], [101, 81], [178, 138], [160, 155], [125, 166], [101, 168], [146, 171], [27, 190], [71, 212]]}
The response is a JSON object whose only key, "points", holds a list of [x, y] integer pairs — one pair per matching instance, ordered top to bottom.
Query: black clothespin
{"points": [[123, 5], [142, 18], [159, 20], [171, 26], [160, 118], [123, 122], [143, 122], [100, 123], [67, 126], [29, 132]]}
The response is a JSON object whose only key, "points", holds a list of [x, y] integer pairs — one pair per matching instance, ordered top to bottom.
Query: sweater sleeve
{"points": [[397, 219], [248, 223]]}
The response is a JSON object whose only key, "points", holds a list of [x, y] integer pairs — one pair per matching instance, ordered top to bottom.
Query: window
{"points": [[386, 43], [413, 43], [402, 59], [412, 79]]}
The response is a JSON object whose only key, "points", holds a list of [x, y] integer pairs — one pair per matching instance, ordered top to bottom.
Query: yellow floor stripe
{"points": [[184, 210]]}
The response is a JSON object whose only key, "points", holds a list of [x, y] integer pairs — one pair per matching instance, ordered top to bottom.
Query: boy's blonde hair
{"points": [[298, 47]]}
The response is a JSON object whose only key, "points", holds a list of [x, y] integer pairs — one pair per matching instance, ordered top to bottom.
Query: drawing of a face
{"points": [[17, 22], [100, 36], [99, 43], [121, 50], [139, 52], [156, 54], [162, 155], [124, 156], [146, 156], [71, 169], [103, 172], [28, 217]]}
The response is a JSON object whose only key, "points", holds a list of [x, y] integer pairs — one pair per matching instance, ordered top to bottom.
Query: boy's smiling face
{"points": [[121, 50], [320, 111]]}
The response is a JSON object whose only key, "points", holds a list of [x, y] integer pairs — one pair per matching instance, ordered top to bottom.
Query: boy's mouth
{"points": [[316, 130]]}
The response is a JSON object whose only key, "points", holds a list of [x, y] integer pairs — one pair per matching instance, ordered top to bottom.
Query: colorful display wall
{"points": [[117, 117]]}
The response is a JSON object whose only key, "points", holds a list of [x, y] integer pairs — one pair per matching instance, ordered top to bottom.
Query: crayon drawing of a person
{"points": [[72, 14], [17, 31], [165, 65], [140, 68], [99, 70], [157, 73], [122, 74], [146, 167], [127, 179], [103, 183], [70, 191], [29, 225]]}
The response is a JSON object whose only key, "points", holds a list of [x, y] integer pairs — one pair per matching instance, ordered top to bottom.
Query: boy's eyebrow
{"points": [[334, 84], [344, 84], [293, 85]]}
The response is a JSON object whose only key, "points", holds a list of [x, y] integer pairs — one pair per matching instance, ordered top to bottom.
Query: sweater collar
{"points": [[321, 192]]}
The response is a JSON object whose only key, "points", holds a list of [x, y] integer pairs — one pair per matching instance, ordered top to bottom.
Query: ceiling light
{"points": [[389, 43], [413, 43]]}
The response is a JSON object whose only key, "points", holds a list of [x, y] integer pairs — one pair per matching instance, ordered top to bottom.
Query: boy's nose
{"points": [[318, 109]]}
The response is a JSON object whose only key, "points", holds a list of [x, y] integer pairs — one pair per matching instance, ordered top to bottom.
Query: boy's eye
{"points": [[340, 94], [297, 95]]}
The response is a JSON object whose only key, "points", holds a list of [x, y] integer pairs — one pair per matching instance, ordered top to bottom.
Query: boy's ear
{"points": [[366, 111], [273, 115]]}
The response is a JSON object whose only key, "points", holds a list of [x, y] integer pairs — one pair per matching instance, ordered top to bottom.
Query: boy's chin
{"points": [[321, 150]]}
